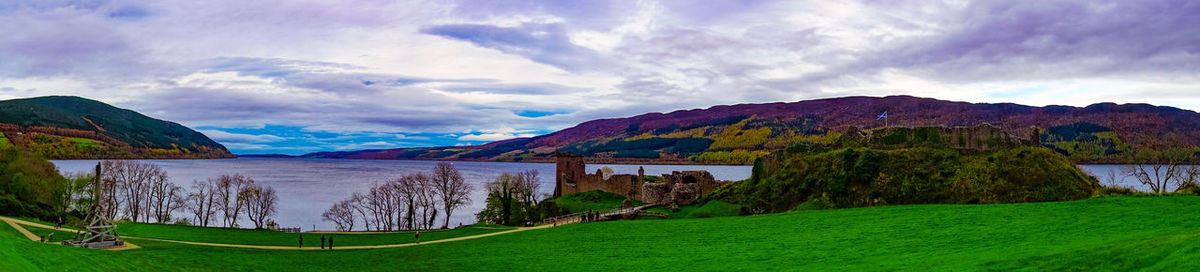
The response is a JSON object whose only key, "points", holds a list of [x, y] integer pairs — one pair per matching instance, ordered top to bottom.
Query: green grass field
{"points": [[1102, 234], [276, 238]]}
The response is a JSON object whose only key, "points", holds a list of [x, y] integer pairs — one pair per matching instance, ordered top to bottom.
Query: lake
{"points": [[308, 187]]}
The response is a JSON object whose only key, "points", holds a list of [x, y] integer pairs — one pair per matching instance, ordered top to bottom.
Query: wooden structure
{"points": [[100, 230]]}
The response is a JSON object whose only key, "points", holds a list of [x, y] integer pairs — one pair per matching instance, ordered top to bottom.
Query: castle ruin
{"points": [[678, 187]]}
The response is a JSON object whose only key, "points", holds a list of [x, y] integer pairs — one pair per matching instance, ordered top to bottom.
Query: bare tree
{"points": [[1160, 169], [1112, 177], [134, 180], [449, 185], [528, 186], [408, 188], [228, 191], [164, 199], [176, 200], [200, 201], [260, 204], [359, 204], [341, 215]]}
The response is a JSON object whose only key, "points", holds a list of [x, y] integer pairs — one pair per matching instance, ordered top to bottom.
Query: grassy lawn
{"points": [[1153, 233], [276, 238]]}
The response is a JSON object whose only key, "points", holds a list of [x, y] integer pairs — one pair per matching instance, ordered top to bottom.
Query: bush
{"points": [[1188, 187]]}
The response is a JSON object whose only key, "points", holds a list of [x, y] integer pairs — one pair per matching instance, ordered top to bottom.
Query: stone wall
{"points": [[679, 187]]}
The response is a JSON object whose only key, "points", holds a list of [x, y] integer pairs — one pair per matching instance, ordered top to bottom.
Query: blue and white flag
{"points": [[881, 116]]}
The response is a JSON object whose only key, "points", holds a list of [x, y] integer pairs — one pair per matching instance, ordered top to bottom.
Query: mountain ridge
{"points": [[70, 127], [736, 134]]}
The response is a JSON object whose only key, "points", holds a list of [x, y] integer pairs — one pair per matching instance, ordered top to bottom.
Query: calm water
{"points": [[1100, 171], [307, 187]]}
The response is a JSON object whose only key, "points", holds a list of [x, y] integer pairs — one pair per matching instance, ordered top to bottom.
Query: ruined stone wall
{"points": [[569, 169], [618, 184], [679, 187]]}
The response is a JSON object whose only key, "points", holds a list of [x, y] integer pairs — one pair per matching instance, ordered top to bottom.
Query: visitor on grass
{"points": [[418, 236], [301, 241], [322, 241], [330, 242]]}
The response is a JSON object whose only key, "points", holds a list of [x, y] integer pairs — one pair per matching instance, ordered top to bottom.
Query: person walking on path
{"points": [[300, 241], [322, 241], [330, 242]]}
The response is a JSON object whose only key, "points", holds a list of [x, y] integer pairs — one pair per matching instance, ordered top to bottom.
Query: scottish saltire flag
{"points": [[881, 116]]}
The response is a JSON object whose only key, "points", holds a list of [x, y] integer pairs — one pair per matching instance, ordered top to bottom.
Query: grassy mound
{"points": [[857, 177], [589, 201], [713, 208]]}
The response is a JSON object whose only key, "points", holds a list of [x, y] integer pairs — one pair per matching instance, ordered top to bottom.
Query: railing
{"points": [[578, 217], [290, 230]]}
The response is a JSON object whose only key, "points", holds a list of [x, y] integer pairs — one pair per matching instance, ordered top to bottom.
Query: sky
{"points": [[301, 76]]}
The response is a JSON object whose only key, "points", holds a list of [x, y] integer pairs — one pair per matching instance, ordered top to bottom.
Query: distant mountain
{"points": [[67, 127], [738, 134]]}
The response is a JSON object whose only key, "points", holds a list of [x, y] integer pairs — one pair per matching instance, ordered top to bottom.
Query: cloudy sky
{"points": [[301, 76]]}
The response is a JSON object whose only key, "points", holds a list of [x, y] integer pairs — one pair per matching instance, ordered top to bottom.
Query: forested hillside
{"points": [[64, 127], [738, 134]]}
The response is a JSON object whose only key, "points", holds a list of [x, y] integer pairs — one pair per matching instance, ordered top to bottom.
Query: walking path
{"points": [[15, 223]]}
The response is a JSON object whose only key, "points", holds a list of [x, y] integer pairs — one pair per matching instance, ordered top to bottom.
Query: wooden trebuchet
{"points": [[100, 230]]}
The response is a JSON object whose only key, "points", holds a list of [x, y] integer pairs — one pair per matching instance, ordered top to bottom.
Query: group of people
{"points": [[591, 216], [323, 241], [327, 243]]}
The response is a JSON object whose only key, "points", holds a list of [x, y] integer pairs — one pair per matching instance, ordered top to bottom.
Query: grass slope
{"points": [[590, 201], [1155, 234], [276, 238]]}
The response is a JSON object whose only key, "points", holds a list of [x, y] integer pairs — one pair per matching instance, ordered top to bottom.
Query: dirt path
{"points": [[16, 222]]}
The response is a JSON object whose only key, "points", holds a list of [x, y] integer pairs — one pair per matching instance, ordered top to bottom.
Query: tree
{"points": [[1161, 168], [134, 180], [448, 183], [527, 186], [408, 188], [228, 191], [76, 196], [164, 199], [427, 199], [500, 199], [200, 201], [260, 204], [341, 215]]}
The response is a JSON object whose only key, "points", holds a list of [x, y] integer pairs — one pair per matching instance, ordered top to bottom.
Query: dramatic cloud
{"points": [[304, 76]]}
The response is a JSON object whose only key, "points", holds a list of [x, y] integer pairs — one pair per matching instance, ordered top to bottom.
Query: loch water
{"points": [[308, 187]]}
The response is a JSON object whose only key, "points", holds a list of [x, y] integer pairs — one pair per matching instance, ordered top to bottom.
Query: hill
{"points": [[66, 127], [738, 134], [924, 165], [1100, 234]]}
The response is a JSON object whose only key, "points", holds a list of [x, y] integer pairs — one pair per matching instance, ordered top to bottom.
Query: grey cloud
{"points": [[1006, 40], [543, 43]]}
